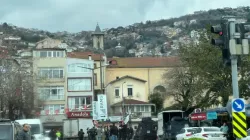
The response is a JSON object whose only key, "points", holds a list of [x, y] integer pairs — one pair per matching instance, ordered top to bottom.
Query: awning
{"points": [[57, 124]]}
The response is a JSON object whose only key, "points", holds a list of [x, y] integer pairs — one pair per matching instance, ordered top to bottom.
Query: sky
{"points": [[79, 15]]}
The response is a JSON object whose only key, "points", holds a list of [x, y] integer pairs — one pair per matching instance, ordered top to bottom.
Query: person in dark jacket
{"points": [[113, 132], [52, 134], [81, 134], [24, 135]]}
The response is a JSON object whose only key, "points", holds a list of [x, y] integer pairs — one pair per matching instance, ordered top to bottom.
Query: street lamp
{"points": [[123, 105]]}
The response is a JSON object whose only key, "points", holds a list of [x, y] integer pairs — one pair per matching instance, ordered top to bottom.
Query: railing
{"points": [[53, 97], [80, 107]]}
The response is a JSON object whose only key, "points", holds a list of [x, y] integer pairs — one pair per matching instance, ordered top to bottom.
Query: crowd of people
{"points": [[111, 133]]}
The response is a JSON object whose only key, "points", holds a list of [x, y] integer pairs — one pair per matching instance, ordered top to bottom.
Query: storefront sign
{"points": [[102, 107], [95, 110], [79, 114], [211, 115], [199, 116], [50, 118]]}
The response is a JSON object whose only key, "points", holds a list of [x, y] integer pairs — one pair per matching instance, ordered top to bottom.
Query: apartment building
{"points": [[49, 67], [80, 89]]}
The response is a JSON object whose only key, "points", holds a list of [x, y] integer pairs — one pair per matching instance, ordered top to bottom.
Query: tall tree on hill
{"points": [[213, 79]]}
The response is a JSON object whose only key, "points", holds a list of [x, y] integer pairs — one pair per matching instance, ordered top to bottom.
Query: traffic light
{"points": [[217, 30], [222, 41]]}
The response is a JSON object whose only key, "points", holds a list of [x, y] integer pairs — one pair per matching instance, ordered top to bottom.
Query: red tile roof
{"points": [[84, 55], [145, 62], [131, 102]]}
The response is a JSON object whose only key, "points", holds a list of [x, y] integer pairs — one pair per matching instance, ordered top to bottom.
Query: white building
{"points": [[80, 88]]}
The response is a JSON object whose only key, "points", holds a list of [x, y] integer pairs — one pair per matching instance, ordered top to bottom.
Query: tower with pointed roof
{"points": [[98, 37]]}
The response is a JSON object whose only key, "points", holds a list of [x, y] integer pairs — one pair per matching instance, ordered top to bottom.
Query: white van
{"points": [[36, 127]]}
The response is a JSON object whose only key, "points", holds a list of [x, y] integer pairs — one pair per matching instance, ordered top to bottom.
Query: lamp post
{"points": [[123, 105]]}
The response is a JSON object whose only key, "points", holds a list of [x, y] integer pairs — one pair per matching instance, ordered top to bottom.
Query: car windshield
{"points": [[35, 129], [211, 129], [191, 130], [6, 132]]}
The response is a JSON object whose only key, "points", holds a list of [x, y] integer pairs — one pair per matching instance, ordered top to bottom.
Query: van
{"points": [[36, 127], [9, 129]]}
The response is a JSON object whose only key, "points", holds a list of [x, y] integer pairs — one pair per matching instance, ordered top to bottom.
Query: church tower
{"points": [[98, 37]]}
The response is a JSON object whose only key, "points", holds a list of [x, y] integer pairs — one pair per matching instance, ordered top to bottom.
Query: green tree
{"points": [[205, 61], [157, 99]]}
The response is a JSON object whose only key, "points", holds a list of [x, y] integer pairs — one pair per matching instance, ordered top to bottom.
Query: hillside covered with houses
{"points": [[152, 38]]}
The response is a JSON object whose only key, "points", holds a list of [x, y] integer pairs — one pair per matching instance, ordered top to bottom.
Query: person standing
{"points": [[224, 129], [113, 132], [52, 134], [58, 134], [81, 134], [24, 135]]}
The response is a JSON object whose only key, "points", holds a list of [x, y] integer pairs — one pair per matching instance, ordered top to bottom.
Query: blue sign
{"points": [[238, 105], [211, 115]]}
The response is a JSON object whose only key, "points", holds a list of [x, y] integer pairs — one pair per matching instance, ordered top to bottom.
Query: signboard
{"points": [[238, 105], [102, 107], [95, 110], [81, 114], [211, 115], [199, 116], [239, 118]]}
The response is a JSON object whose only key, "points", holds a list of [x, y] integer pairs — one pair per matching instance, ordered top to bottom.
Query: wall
{"points": [[49, 62], [79, 74], [153, 76], [139, 90]]}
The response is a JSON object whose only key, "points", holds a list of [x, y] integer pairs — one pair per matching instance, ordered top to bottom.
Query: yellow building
{"points": [[49, 67], [149, 69]]}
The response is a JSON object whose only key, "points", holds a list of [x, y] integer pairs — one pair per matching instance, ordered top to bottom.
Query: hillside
{"points": [[153, 38]]}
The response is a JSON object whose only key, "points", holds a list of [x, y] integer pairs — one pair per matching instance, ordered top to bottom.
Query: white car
{"points": [[186, 133], [209, 133]]}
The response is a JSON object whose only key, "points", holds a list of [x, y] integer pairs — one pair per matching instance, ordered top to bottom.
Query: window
{"points": [[51, 53], [95, 66], [79, 67], [51, 73], [95, 79], [80, 84], [130, 90], [117, 92], [51, 93], [80, 103], [142, 108], [146, 108], [53, 109], [138, 109]]}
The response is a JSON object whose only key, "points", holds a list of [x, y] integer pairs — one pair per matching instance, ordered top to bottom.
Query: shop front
{"points": [[52, 121]]}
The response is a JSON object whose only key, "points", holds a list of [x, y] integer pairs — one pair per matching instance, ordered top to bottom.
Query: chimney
{"points": [[90, 57], [117, 77]]}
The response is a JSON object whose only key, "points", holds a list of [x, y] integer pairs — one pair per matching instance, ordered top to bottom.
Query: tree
{"points": [[205, 62], [186, 90], [16, 91], [157, 99]]}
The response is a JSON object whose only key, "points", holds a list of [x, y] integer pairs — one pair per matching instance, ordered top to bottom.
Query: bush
{"points": [[194, 139]]}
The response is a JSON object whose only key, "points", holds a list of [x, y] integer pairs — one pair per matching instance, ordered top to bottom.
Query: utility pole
{"points": [[234, 44], [123, 102]]}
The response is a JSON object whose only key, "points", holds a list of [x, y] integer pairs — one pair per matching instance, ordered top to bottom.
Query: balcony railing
{"points": [[53, 97], [79, 107]]}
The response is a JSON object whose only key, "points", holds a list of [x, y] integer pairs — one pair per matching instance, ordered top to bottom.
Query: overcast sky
{"points": [[78, 15]]}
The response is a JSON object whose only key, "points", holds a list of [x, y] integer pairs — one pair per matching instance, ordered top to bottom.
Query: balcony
{"points": [[53, 97], [80, 107]]}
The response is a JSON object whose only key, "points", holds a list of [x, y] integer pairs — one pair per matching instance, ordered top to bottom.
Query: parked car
{"points": [[186, 133], [209, 133]]}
